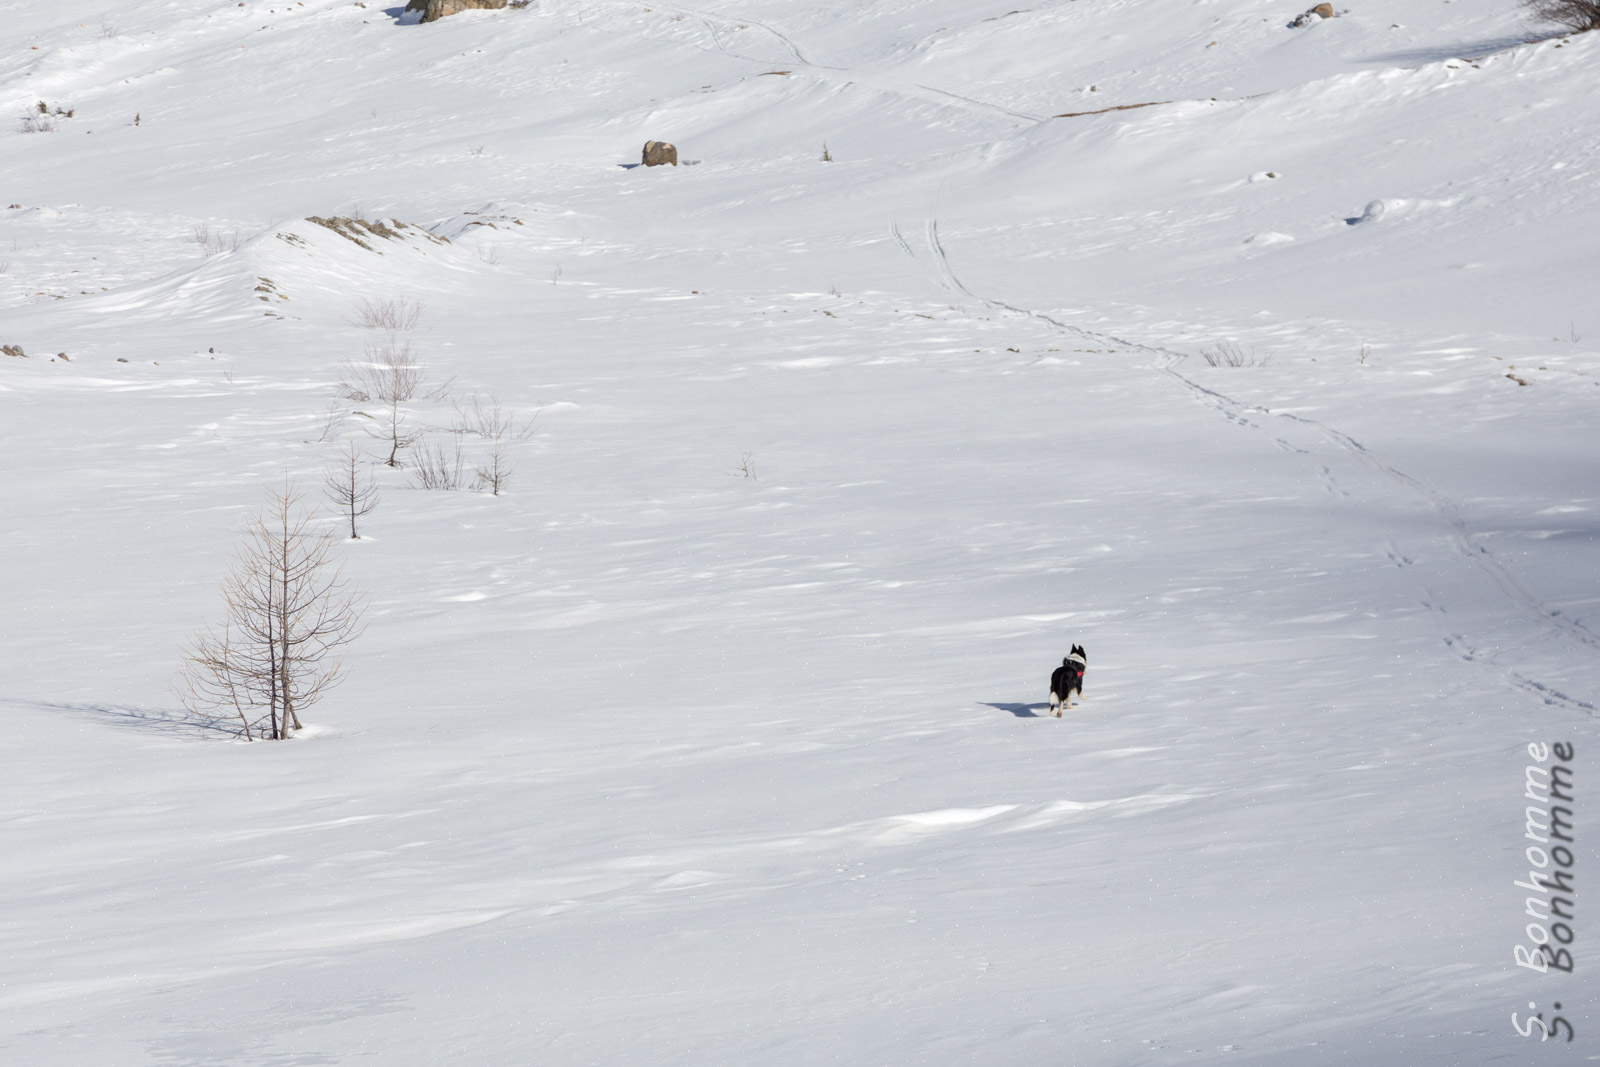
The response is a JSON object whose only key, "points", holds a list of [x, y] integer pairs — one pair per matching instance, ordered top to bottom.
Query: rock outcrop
{"points": [[433, 10], [658, 152]]}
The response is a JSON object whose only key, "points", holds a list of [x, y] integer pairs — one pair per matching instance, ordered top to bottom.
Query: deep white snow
{"points": [[650, 762]]}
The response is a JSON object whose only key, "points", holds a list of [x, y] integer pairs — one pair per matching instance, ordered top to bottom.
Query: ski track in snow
{"points": [[1239, 413]]}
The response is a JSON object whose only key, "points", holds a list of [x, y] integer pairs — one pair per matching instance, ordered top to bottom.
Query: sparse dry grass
{"points": [[1229, 354]]}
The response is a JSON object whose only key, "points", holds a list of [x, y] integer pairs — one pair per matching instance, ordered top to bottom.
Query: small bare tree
{"points": [[1576, 15], [390, 378], [499, 428], [496, 468], [351, 487], [290, 613]]}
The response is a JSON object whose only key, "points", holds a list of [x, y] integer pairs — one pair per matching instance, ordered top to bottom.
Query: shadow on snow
{"points": [[1467, 50], [1021, 711], [153, 720]]}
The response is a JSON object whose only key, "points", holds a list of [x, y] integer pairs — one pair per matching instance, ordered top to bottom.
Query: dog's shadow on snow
{"points": [[1021, 711], [150, 719]]}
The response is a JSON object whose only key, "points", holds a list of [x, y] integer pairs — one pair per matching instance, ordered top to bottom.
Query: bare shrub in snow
{"points": [[1574, 15], [41, 118], [215, 242], [396, 316], [1229, 354], [390, 379], [484, 417], [499, 429], [747, 466], [435, 467], [350, 486], [289, 615]]}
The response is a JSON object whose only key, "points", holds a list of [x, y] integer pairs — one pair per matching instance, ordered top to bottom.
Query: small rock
{"points": [[1321, 11], [657, 153], [13, 350]]}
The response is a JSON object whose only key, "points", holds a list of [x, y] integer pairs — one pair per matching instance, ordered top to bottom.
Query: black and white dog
{"points": [[1067, 678]]}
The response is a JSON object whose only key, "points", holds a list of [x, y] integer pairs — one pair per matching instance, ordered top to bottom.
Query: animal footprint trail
{"points": [[1248, 415]]}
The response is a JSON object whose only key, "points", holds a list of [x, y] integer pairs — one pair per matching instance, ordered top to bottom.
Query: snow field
{"points": [[647, 761]]}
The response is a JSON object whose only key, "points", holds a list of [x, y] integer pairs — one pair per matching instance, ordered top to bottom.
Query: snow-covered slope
{"points": [[651, 761]]}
